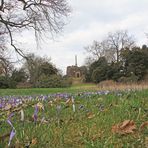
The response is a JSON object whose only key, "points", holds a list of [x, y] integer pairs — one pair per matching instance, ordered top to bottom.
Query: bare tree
{"points": [[38, 15], [119, 40], [110, 47], [96, 49], [99, 49], [88, 61], [6, 67]]}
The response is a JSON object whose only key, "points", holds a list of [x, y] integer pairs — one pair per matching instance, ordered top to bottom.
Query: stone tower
{"points": [[75, 72]]}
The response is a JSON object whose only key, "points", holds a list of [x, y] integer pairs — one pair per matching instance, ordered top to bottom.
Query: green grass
{"points": [[35, 91], [76, 130]]}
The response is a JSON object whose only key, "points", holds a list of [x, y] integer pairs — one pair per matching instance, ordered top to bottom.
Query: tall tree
{"points": [[37, 15], [119, 40], [110, 47], [96, 50], [135, 62], [37, 66], [6, 67], [98, 70]]}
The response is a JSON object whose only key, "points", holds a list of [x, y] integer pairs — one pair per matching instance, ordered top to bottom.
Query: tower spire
{"points": [[75, 60]]}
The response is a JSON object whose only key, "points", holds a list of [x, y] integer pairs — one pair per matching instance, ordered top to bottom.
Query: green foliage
{"points": [[102, 62], [135, 62], [132, 67], [47, 69], [97, 70], [40, 71], [115, 71], [99, 74], [19, 75], [132, 79], [54, 81], [3, 82], [7, 82]]}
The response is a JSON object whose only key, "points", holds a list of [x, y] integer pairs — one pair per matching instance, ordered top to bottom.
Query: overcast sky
{"points": [[92, 20]]}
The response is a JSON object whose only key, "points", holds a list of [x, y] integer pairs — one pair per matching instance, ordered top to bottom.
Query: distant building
{"points": [[76, 73]]}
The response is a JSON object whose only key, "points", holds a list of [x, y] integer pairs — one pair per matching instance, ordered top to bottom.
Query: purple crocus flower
{"points": [[11, 115], [35, 116], [8, 120], [12, 134]]}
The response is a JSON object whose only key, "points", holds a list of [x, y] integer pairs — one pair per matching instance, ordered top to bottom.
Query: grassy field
{"points": [[75, 89], [35, 91], [90, 126]]}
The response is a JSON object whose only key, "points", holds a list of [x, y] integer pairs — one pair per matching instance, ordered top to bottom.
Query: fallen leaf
{"points": [[57, 100], [69, 102], [50, 103], [40, 106], [7, 107], [90, 115], [43, 120], [143, 125], [126, 127], [34, 141], [146, 142]]}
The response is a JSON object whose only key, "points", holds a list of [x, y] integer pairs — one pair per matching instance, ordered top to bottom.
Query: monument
{"points": [[76, 73]]}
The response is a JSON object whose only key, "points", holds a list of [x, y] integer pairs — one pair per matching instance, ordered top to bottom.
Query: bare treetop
{"points": [[38, 15], [120, 40], [111, 46]]}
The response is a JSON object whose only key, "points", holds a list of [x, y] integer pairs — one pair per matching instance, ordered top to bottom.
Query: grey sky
{"points": [[92, 20]]}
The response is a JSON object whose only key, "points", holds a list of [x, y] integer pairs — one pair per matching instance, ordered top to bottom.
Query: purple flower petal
{"points": [[35, 113], [9, 122], [12, 134]]}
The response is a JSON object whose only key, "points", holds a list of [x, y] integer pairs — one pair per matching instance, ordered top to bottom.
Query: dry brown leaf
{"points": [[57, 100], [69, 102], [50, 103], [40, 106], [7, 107], [90, 115], [143, 125], [126, 127], [34, 141], [146, 142]]}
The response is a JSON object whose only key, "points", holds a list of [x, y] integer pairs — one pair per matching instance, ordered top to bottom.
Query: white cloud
{"points": [[92, 20]]}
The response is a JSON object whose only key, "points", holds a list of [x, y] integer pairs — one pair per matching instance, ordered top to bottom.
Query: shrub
{"points": [[132, 79], [54, 81], [3, 82], [7, 82], [107, 83], [24, 85]]}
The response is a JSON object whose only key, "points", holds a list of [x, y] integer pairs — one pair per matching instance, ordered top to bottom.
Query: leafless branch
{"points": [[38, 15]]}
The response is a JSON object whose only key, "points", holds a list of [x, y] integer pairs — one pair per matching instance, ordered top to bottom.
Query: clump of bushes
{"points": [[54, 81], [7, 82]]}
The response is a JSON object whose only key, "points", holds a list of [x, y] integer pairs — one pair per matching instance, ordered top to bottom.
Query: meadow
{"points": [[77, 117]]}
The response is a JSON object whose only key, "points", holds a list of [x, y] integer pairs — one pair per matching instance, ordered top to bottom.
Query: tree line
{"points": [[42, 18], [117, 58], [38, 72]]}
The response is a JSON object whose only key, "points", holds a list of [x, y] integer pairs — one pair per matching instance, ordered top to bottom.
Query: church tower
{"points": [[75, 73]]}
